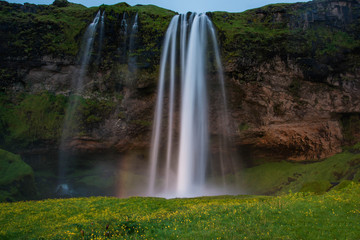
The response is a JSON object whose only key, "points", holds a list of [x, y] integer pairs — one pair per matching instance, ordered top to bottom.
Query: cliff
{"points": [[296, 67], [292, 75]]}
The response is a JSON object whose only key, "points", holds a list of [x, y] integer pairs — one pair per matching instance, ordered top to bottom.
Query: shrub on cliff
{"points": [[61, 3]]}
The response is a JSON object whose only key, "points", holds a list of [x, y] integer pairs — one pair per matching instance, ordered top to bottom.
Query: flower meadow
{"points": [[333, 215]]}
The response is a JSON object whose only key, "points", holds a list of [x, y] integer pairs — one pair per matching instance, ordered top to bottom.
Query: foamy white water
{"points": [[180, 147]]}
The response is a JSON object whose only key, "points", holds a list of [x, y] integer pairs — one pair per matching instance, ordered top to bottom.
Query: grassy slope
{"points": [[281, 177], [334, 215]]}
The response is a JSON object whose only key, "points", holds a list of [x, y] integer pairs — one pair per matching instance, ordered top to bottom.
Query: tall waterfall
{"points": [[77, 87], [185, 156]]}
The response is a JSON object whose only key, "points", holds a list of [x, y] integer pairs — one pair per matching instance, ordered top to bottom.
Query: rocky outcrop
{"points": [[290, 87], [285, 116], [294, 141]]}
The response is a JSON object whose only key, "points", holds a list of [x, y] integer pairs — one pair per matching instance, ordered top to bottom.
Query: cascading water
{"points": [[124, 24], [135, 25], [124, 33], [101, 36], [133, 36], [86, 50], [77, 86], [182, 156]]}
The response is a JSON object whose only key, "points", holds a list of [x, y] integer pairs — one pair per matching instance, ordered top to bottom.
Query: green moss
{"points": [[152, 22], [50, 30], [251, 34], [257, 35], [328, 41], [94, 111], [30, 118], [142, 123], [243, 127], [354, 148], [12, 168], [281, 177], [16, 178], [343, 184], [318, 187]]}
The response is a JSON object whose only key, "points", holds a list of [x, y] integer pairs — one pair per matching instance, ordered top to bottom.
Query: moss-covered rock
{"points": [[36, 30], [321, 36], [27, 119], [35, 120], [317, 177], [16, 178], [318, 187]]}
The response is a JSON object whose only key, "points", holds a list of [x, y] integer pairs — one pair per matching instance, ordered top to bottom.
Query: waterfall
{"points": [[124, 24], [135, 25], [133, 35], [101, 36], [86, 50], [77, 86], [181, 151]]}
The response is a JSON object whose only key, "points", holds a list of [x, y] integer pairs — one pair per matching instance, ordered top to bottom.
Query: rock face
{"points": [[292, 75], [290, 88], [289, 117], [295, 141]]}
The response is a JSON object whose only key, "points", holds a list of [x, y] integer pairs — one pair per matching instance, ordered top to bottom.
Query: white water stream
{"points": [[180, 148]]}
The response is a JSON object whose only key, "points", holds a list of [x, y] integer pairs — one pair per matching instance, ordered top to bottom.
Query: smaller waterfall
{"points": [[124, 25], [135, 25], [124, 36], [101, 37], [132, 45], [86, 50], [77, 86]]}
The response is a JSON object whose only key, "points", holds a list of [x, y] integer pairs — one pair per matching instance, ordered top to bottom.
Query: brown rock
{"points": [[284, 116], [294, 141]]}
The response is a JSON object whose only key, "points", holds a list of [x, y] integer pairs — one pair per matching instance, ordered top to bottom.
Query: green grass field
{"points": [[333, 215]]}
